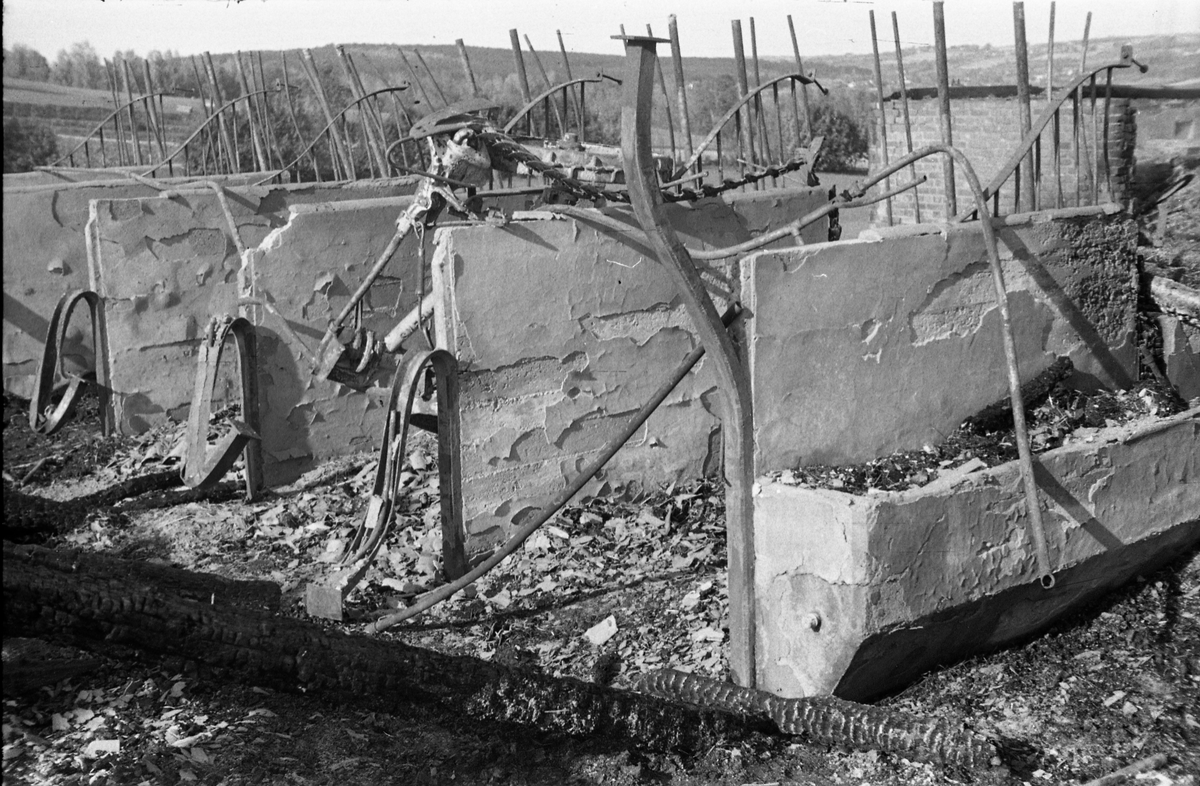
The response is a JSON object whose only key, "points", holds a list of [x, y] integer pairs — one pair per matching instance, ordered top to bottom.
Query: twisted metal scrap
{"points": [[830, 720]]}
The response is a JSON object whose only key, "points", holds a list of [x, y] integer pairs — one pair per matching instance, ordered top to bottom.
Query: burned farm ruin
{"points": [[568, 318]]}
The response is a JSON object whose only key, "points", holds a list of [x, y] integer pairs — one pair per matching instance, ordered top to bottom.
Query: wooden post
{"points": [[562, 49], [739, 57], [537, 61], [466, 66], [126, 72], [522, 77], [943, 77], [432, 79], [662, 85], [803, 87], [681, 89], [907, 120], [371, 130], [256, 143], [883, 143], [342, 150], [231, 154], [1027, 199]]}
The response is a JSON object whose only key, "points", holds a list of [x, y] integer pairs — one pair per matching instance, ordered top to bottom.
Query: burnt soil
{"points": [[1113, 684]]}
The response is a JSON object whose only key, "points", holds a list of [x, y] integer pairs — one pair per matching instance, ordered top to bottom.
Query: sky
{"points": [[822, 26]]}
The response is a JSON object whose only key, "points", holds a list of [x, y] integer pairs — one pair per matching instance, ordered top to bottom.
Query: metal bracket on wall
{"points": [[45, 418], [204, 467]]}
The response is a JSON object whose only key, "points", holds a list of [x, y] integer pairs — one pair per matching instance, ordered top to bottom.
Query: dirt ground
{"points": [[1114, 684]]}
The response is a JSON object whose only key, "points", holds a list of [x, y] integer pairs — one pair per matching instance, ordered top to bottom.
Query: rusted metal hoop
{"points": [[41, 419], [205, 467]]}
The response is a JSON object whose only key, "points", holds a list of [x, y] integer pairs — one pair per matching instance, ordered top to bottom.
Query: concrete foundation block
{"points": [[864, 347], [857, 595]]}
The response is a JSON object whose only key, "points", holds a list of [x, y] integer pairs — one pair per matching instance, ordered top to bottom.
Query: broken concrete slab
{"points": [[562, 330], [845, 338], [857, 595]]}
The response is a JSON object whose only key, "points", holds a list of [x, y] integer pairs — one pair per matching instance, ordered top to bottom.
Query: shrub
{"points": [[27, 144]]}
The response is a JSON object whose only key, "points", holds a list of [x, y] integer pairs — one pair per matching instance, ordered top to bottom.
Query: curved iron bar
{"points": [[746, 99], [533, 103], [124, 107], [215, 115], [334, 121], [1022, 150], [793, 228], [41, 419], [205, 467]]}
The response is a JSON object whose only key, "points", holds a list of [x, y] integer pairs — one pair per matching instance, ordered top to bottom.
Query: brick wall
{"points": [[987, 130]]}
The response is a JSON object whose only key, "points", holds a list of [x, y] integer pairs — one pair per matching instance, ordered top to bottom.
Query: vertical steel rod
{"points": [[943, 77], [904, 106], [883, 141]]}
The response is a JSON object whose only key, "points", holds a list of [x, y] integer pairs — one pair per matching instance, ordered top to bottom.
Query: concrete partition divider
{"points": [[45, 257], [165, 265], [562, 330], [865, 347]]}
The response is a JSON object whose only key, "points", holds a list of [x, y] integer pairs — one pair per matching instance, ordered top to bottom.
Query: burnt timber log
{"points": [[45, 596], [100, 601]]}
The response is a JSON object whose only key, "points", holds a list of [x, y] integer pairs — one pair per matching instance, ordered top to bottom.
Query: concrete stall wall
{"points": [[987, 130], [45, 251], [45, 257], [165, 266], [307, 270], [562, 331], [865, 347], [857, 595]]}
